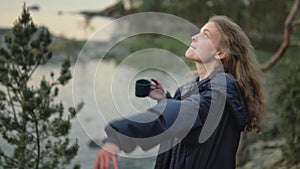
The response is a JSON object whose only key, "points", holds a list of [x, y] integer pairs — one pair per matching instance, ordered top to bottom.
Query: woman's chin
{"points": [[189, 53]]}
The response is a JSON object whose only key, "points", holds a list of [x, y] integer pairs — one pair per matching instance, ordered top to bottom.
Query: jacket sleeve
{"points": [[171, 118]]}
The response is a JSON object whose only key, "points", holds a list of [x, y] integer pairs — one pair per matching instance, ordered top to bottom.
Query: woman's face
{"points": [[204, 44]]}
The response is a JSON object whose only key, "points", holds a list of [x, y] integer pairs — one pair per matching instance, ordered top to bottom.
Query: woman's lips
{"points": [[192, 47]]}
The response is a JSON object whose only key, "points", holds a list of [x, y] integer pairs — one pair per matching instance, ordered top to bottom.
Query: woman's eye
{"points": [[204, 35]]}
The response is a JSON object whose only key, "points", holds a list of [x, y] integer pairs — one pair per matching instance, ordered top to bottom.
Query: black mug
{"points": [[142, 88]]}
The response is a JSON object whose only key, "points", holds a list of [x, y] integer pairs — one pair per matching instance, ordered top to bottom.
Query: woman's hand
{"points": [[156, 92], [107, 153]]}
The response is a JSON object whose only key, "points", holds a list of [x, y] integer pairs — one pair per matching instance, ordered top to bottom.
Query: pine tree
{"points": [[34, 124]]}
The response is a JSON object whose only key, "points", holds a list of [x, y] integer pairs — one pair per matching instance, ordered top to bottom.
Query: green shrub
{"points": [[289, 110], [33, 124]]}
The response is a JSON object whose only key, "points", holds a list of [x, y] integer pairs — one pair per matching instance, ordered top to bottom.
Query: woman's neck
{"points": [[204, 70]]}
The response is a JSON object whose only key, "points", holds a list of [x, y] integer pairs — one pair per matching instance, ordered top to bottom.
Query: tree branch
{"points": [[296, 23], [288, 27], [295, 44], [33, 70], [12, 105], [37, 142], [6, 158]]}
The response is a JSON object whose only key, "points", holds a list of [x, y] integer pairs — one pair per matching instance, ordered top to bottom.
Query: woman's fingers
{"points": [[155, 81], [156, 84], [153, 86], [106, 155], [102, 160], [106, 161], [114, 161], [101, 163], [96, 165]]}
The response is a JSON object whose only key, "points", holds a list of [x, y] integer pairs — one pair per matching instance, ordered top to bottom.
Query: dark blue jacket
{"points": [[199, 128]]}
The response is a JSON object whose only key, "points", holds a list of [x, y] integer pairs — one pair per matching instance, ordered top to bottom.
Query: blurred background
{"points": [[272, 26]]}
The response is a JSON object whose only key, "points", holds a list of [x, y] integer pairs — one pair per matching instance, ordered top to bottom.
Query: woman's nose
{"points": [[194, 38]]}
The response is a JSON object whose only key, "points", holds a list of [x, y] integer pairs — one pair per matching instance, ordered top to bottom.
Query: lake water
{"points": [[60, 17]]}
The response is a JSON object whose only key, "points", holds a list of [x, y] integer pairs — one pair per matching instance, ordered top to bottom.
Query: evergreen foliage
{"points": [[32, 122]]}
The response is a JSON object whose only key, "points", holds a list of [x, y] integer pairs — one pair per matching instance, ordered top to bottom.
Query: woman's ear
{"points": [[221, 55]]}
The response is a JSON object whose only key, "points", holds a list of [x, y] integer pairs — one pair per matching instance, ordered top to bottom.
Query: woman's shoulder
{"points": [[225, 81], [232, 85]]}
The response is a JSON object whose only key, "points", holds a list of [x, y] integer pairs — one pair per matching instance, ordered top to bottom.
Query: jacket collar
{"points": [[206, 80], [194, 84]]}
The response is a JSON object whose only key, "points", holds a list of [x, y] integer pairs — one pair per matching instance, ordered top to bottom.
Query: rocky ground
{"points": [[265, 150]]}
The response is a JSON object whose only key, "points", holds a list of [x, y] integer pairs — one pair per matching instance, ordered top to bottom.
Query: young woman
{"points": [[200, 127]]}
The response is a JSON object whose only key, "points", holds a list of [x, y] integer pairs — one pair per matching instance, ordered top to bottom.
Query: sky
{"points": [[67, 24]]}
